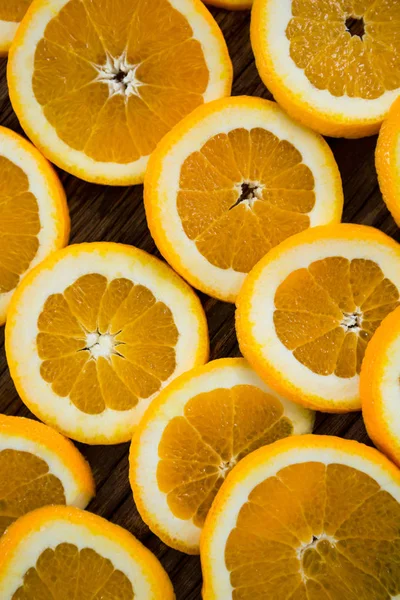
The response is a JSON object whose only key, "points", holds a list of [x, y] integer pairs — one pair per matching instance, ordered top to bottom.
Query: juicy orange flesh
{"points": [[13, 10], [164, 59], [344, 64], [19, 225], [232, 235], [327, 314], [106, 344], [217, 429], [25, 484], [316, 532], [65, 572]]}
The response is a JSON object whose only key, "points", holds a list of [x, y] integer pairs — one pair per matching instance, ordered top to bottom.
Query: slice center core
{"points": [[355, 26], [119, 75], [248, 192], [352, 321], [100, 344]]}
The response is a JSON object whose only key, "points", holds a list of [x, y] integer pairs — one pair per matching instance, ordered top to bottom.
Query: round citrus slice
{"points": [[11, 13], [333, 65], [97, 83], [387, 160], [230, 182], [34, 219], [307, 311], [95, 332], [379, 386], [193, 434], [38, 466], [306, 518], [64, 553]]}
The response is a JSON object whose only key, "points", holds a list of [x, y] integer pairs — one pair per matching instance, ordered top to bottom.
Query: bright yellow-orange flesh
{"points": [[13, 10], [348, 47], [73, 81], [243, 193], [19, 225], [327, 314], [106, 344], [218, 428], [25, 484], [316, 532], [65, 572]]}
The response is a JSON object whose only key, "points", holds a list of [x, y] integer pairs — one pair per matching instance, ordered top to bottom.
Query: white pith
{"points": [[274, 20], [8, 30], [107, 73], [32, 112], [49, 206], [184, 255], [21, 339], [330, 388], [146, 458], [217, 579]]}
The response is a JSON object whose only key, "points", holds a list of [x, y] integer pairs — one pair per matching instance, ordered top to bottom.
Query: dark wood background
{"points": [[117, 214]]}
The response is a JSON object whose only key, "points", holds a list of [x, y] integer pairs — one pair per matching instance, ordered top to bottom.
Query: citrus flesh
{"points": [[334, 65], [110, 79], [232, 181], [33, 212], [320, 309], [104, 345], [191, 437], [38, 467], [310, 518], [60, 552]]}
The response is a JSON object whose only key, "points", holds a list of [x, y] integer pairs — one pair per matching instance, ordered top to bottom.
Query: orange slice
{"points": [[11, 13], [334, 65], [97, 83], [387, 160], [230, 182], [34, 219], [307, 311], [95, 332], [379, 387], [193, 434], [38, 466], [306, 518], [65, 553]]}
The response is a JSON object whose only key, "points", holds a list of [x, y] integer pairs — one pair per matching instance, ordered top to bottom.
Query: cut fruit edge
{"points": [[231, 4], [8, 30], [290, 87], [30, 113], [387, 161], [163, 172], [45, 185], [258, 339], [379, 387], [110, 426], [264, 463], [178, 533], [31, 534]]}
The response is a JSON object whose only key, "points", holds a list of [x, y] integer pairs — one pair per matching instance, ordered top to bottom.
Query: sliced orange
{"points": [[11, 13], [334, 65], [97, 83], [387, 160], [230, 182], [34, 219], [307, 311], [95, 332], [380, 385], [193, 434], [38, 466], [306, 518], [65, 553]]}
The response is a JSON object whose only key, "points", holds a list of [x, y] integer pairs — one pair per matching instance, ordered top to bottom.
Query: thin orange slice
{"points": [[334, 65], [97, 83], [387, 160], [230, 182], [34, 219], [307, 311], [95, 332], [191, 437], [38, 466], [306, 518], [64, 553]]}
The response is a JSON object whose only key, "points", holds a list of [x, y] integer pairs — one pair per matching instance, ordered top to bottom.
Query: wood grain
{"points": [[117, 214]]}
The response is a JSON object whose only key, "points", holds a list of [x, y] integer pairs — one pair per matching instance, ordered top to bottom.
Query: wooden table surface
{"points": [[117, 214]]}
